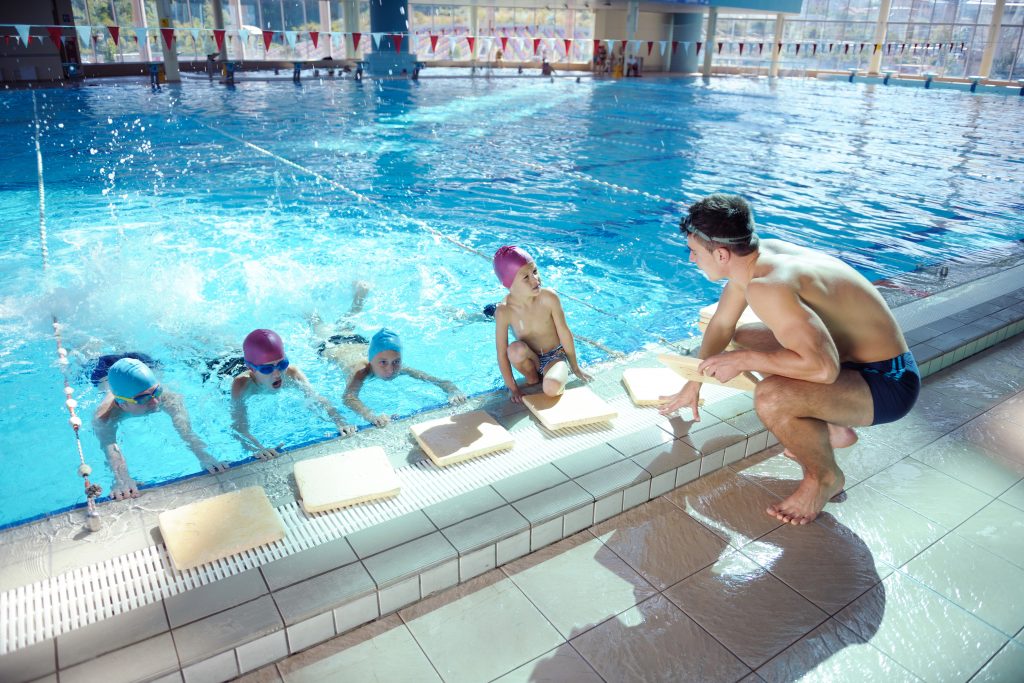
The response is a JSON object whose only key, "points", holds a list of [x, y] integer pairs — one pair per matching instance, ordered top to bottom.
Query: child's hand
{"points": [[582, 375], [515, 395], [456, 398], [380, 420], [346, 430]]}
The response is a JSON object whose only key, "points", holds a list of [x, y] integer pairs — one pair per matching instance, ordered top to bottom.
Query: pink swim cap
{"points": [[507, 262], [263, 346]]}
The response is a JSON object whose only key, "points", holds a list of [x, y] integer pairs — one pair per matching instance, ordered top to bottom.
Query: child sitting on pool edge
{"points": [[544, 348], [269, 370]]}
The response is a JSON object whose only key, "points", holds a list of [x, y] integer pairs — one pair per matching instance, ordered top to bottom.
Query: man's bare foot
{"points": [[808, 500]]}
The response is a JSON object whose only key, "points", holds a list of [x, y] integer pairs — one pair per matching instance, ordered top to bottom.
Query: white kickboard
{"points": [[704, 317], [686, 367], [647, 385], [574, 408], [460, 437], [347, 478], [218, 527]]}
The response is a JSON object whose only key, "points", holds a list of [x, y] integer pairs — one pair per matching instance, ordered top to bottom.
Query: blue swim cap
{"points": [[385, 340], [130, 377]]}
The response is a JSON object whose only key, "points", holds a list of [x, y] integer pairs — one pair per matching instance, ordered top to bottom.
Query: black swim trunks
{"points": [[338, 339], [102, 367], [894, 384]]}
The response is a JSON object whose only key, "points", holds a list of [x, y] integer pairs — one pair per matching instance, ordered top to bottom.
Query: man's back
{"points": [[852, 310]]}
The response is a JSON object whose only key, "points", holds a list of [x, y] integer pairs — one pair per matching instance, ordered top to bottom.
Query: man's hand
{"points": [[723, 366], [688, 397]]}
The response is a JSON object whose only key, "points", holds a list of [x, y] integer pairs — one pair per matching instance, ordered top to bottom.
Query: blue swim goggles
{"points": [[268, 368], [143, 398]]}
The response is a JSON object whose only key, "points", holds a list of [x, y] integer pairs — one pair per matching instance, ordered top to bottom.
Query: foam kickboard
{"points": [[748, 316], [686, 367], [647, 385], [574, 408], [460, 437], [347, 478], [219, 527]]}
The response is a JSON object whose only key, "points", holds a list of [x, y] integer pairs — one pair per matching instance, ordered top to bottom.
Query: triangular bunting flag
{"points": [[22, 30], [54, 32], [115, 32], [141, 34], [168, 34], [84, 35], [243, 35], [195, 36], [218, 36], [268, 36], [291, 37], [315, 37], [375, 39], [396, 39], [355, 40], [433, 43], [472, 43], [504, 43], [624, 43], [610, 44], [699, 44], [536, 46], [568, 46], [650, 46], [662, 46], [675, 46], [903, 46], [720, 47], [779, 47], [830, 47], [862, 47], [760, 48], [877, 48], [741, 49], [798, 49], [814, 49], [846, 49]]}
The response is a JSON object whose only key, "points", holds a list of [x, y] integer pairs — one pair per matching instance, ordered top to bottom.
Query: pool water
{"points": [[177, 221]]}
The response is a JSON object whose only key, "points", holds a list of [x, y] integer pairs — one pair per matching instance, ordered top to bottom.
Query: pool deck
{"points": [[593, 554]]}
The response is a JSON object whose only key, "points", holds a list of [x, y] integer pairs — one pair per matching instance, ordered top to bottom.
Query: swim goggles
{"points": [[686, 227], [268, 368], [143, 398]]}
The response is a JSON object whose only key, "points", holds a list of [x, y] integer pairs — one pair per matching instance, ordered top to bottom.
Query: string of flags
{"points": [[521, 40]]}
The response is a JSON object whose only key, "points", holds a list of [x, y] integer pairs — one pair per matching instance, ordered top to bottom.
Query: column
{"points": [[236, 9], [350, 16], [163, 17], [389, 17], [139, 19], [780, 23], [632, 26], [474, 30], [880, 30], [993, 38], [709, 41], [327, 46]]}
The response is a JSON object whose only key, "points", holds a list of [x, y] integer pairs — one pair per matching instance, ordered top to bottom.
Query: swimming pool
{"points": [[177, 221]]}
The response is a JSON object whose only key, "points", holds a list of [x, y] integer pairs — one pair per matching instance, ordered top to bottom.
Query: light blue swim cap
{"points": [[385, 340], [129, 377]]}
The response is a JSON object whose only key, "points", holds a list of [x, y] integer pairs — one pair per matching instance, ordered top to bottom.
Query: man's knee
{"points": [[771, 399]]}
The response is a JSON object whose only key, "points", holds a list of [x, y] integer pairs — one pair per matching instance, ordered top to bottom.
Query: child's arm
{"points": [[501, 325], [565, 337], [455, 396], [352, 398], [175, 407], [240, 421], [344, 429], [106, 431]]}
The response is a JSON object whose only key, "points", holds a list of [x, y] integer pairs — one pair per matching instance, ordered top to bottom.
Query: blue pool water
{"points": [[178, 221]]}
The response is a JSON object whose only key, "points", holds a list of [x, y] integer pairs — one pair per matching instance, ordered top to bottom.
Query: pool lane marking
{"points": [[42, 190]]}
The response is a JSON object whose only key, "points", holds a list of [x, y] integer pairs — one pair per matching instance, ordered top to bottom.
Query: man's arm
{"points": [[565, 337], [808, 352], [454, 395], [175, 407], [344, 429]]}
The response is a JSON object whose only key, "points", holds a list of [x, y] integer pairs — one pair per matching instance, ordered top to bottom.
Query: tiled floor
{"points": [[917, 573]]}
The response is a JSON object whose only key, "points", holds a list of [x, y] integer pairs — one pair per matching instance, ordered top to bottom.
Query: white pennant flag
{"points": [[22, 30], [142, 33], [84, 35], [243, 35], [195, 36], [291, 37], [337, 37], [376, 40], [452, 41], [610, 44], [635, 44], [664, 44], [485, 47]]}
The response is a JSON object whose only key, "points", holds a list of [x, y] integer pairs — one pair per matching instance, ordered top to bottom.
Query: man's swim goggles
{"points": [[686, 228], [268, 368], [143, 398]]}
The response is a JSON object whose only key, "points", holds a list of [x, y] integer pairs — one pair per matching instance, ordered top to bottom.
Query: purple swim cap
{"points": [[507, 262], [263, 346]]}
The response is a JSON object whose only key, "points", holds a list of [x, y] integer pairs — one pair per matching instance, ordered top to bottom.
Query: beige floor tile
{"points": [[981, 382], [1012, 409], [933, 416], [1002, 437], [867, 457], [971, 464], [779, 474], [929, 492], [1015, 496], [730, 505], [999, 528], [892, 532], [661, 542], [832, 579], [578, 582], [984, 584], [745, 608], [480, 629], [925, 633], [656, 641], [382, 650], [831, 653], [561, 665], [1006, 667], [267, 674]]}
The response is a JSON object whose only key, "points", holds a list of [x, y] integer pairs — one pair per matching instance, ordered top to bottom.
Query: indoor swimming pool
{"points": [[177, 221]]}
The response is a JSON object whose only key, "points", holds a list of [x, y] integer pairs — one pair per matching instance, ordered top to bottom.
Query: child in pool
{"points": [[544, 348], [268, 369]]}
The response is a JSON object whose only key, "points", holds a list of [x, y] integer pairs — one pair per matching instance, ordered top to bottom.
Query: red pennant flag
{"points": [[54, 32], [115, 32], [168, 34], [218, 35], [267, 37], [315, 37], [396, 38], [355, 40], [472, 42], [624, 42], [433, 43], [504, 43], [675, 44], [536, 45], [568, 45], [597, 45], [699, 45], [779, 45], [650, 46], [830, 46], [903, 46], [927, 46], [915, 47], [951, 47], [962, 47], [720, 48], [760, 48], [798, 48], [877, 48], [741, 49], [814, 49], [846, 49]]}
